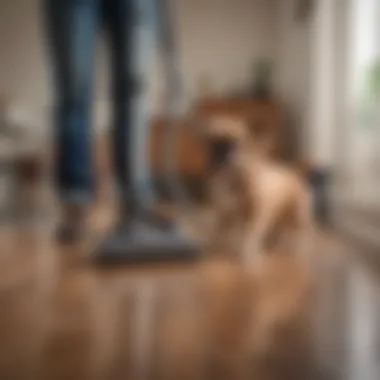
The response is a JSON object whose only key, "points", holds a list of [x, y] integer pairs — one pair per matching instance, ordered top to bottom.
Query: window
{"points": [[364, 58], [364, 100]]}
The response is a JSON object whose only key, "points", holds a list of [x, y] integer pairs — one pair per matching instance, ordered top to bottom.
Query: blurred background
{"points": [[320, 59], [310, 71]]}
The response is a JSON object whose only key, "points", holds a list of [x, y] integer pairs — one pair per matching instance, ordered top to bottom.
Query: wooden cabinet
{"points": [[263, 117], [190, 153]]}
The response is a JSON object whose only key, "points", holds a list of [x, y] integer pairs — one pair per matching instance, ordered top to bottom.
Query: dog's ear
{"points": [[257, 128], [261, 137]]}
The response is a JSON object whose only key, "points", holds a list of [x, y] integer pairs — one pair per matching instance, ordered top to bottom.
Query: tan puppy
{"points": [[264, 201]]}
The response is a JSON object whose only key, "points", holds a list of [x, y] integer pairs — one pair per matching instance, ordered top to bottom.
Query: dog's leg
{"points": [[304, 225], [214, 231], [256, 231], [213, 234]]}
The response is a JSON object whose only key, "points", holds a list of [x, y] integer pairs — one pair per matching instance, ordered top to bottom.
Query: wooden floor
{"points": [[63, 318]]}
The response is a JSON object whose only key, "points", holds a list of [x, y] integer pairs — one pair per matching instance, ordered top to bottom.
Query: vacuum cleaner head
{"points": [[141, 242]]}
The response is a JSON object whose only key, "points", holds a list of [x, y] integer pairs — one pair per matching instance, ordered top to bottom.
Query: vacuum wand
{"points": [[175, 95], [143, 239]]}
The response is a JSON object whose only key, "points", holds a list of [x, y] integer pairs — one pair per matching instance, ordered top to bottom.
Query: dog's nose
{"points": [[221, 149]]}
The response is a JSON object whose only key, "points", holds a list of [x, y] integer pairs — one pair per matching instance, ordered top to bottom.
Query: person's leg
{"points": [[71, 29], [132, 54], [145, 235]]}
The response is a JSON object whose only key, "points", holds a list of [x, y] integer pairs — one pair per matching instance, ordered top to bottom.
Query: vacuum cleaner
{"points": [[145, 237]]}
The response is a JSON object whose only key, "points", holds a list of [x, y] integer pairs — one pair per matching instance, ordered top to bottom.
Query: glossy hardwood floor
{"points": [[61, 317]]}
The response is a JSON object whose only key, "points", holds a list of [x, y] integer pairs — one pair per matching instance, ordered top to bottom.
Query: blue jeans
{"points": [[72, 28]]}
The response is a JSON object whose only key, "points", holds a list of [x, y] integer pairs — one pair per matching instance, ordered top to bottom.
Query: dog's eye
{"points": [[220, 150]]}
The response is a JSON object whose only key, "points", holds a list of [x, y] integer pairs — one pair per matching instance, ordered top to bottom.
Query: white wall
{"points": [[220, 38], [293, 66], [22, 68], [23, 72], [311, 76], [323, 84]]}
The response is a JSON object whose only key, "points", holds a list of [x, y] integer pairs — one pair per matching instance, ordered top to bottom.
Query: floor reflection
{"points": [[63, 318]]}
